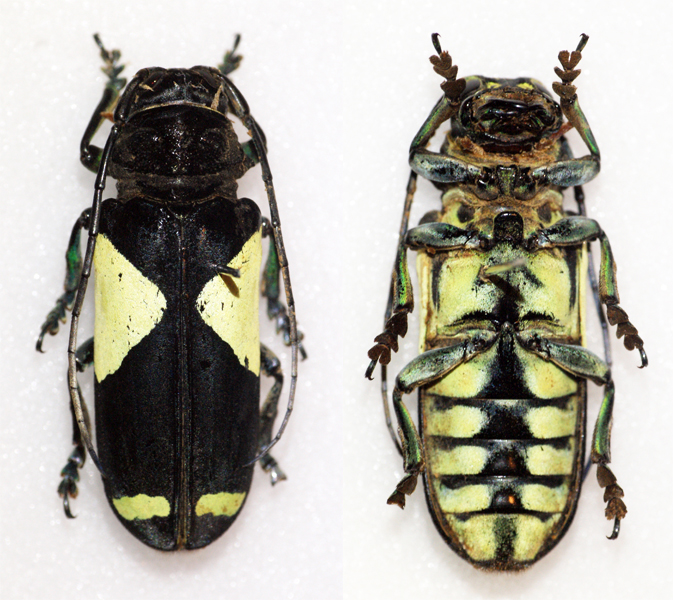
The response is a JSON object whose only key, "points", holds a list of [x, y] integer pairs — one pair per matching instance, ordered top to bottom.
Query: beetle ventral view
{"points": [[504, 271], [176, 350]]}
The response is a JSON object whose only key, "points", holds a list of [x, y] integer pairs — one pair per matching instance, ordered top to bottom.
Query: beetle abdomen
{"points": [[174, 332], [503, 433], [502, 475]]}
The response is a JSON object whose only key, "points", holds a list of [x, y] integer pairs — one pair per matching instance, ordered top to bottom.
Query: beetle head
{"points": [[156, 87], [506, 115], [175, 135]]}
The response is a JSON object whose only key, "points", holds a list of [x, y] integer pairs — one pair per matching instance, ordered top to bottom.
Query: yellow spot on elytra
{"points": [[526, 86], [230, 305], [128, 307], [458, 421], [550, 422], [544, 459], [463, 460], [468, 498], [542, 498], [222, 504], [141, 507], [531, 533]]}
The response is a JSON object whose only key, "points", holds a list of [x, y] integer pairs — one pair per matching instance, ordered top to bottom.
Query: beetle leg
{"points": [[231, 60], [230, 63], [240, 108], [250, 151], [90, 155], [436, 166], [574, 171], [579, 198], [576, 230], [431, 236], [443, 236], [73, 269], [401, 303], [275, 309], [399, 326], [576, 360], [581, 362], [271, 368], [424, 369], [600, 455], [70, 473]]}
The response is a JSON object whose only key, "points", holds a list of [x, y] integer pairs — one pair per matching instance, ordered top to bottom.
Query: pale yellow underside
{"points": [[461, 291], [128, 307], [231, 309], [544, 379], [466, 380], [459, 422], [550, 422], [544, 459], [462, 460], [472, 498], [542, 498], [464, 499], [222, 504], [141, 507], [531, 534], [478, 537]]}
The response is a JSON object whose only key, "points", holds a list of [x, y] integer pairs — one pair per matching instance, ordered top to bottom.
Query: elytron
{"points": [[504, 270], [176, 350]]}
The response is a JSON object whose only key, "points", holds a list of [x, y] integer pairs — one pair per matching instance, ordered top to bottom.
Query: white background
{"points": [[340, 90]]}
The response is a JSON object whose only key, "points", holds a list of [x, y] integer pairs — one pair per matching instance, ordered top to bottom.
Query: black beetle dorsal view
{"points": [[504, 272], [176, 351]]}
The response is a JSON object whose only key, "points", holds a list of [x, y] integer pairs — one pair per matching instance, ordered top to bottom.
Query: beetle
{"points": [[176, 350], [503, 370]]}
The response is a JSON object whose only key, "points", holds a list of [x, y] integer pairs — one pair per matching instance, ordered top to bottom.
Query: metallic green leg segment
{"points": [[568, 93], [90, 155], [433, 165], [436, 166], [575, 171], [576, 230], [436, 236], [441, 236], [73, 270], [401, 304], [275, 309], [394, 324], [576, 360], [582, 363], [271, 368], [424, 369], [600, 446], [412, 452], [600, 455], [70, 473]]}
